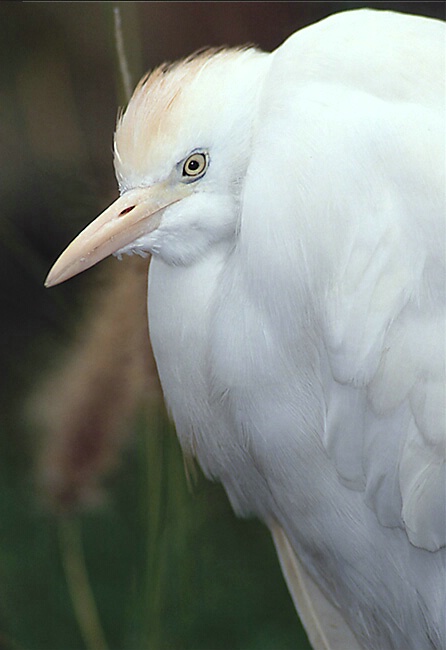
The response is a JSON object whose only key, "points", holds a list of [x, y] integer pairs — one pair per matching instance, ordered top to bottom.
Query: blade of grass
{"points": [[122, 58], [156, 502], [76, 575]]}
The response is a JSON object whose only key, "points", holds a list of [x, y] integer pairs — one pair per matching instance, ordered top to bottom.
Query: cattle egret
{"points": [[294, 206]]}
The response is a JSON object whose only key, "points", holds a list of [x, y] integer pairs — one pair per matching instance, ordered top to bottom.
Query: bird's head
{"points": [[181, 151]]}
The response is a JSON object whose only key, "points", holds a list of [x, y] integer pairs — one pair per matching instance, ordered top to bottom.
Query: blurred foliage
{"points": [[168, 567]]}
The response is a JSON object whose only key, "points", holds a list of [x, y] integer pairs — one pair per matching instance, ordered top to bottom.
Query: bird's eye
{"points": [[195, 165]]}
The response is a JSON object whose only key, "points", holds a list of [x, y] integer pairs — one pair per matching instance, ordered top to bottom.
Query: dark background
{"points": [[104, 543]]}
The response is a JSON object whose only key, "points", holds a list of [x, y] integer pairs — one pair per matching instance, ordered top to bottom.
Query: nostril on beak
{"points": [[126, 210]]}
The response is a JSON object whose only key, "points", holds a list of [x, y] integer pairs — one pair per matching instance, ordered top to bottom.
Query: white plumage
{"points": [[297, 299]]}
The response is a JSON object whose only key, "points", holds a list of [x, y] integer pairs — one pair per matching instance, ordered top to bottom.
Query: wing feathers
{"points": [[324, 625]]}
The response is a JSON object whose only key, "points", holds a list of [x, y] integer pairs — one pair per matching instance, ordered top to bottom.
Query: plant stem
{"points": [[82, 598]]}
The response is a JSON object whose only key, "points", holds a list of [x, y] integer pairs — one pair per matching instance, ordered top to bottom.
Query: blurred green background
{"points": [[103, 543]]}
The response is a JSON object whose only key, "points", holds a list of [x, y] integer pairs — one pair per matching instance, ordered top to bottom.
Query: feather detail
{"points": [[323, 623]]}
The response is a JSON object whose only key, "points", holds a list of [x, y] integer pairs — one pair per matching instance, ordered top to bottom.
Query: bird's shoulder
{"points": [[381, 52]]}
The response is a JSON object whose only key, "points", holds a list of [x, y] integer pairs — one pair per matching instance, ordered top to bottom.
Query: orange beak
{"points": [[136, 213]]}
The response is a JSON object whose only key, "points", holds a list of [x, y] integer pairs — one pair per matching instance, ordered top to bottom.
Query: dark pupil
{"points": [[193, 165]]}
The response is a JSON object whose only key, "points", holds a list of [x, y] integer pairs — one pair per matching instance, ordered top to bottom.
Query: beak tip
{"points": [[53, 278]]}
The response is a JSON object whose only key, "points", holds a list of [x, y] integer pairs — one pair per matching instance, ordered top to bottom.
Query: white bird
{"points": [[294, 206]]}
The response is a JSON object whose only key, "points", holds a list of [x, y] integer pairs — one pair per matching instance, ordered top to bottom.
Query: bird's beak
{"points": [[136, 213]]}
